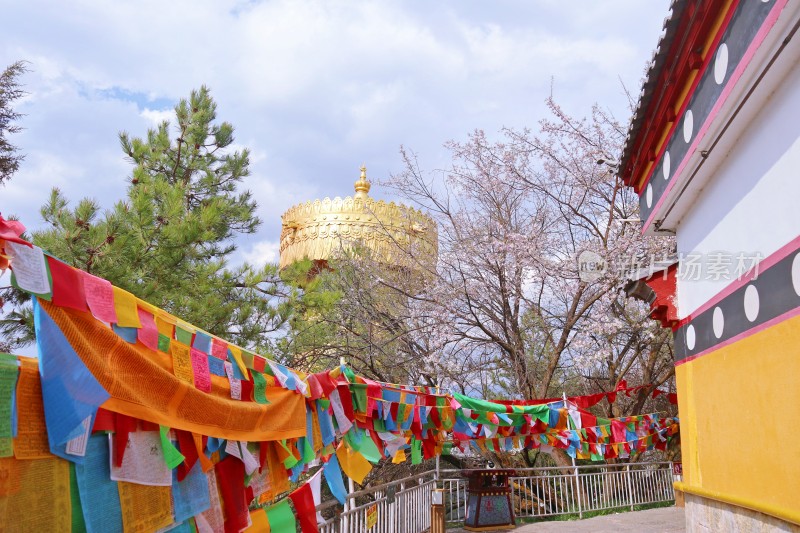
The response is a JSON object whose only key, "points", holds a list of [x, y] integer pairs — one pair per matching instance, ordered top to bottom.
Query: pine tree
{"points": [[9, 92], [170, 239]]}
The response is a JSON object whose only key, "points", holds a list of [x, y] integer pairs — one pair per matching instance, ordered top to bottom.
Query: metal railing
{"points": [[572, 490], [402, 506]]}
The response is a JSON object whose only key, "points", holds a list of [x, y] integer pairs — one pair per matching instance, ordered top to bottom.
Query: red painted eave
{"points": [[674, 64]]}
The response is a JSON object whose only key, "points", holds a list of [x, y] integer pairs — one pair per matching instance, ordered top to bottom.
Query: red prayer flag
{"points": [[10, 230], [67, 285], [219, 349], [314, 387], [673, 398], [347, 401], [588, 420], [103, 421], [123, 424], [617, 431], [189, 451], [230, 480], [303, 500]]}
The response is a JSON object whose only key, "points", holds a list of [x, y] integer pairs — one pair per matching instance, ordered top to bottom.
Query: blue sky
{"points": [[313, 88]]}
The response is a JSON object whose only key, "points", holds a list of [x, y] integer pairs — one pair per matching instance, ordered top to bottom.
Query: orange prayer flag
{"points": [[31, 440], [260, 522]]}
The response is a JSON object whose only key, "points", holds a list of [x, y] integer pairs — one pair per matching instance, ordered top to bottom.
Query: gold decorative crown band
{"points": [[394, 233]]}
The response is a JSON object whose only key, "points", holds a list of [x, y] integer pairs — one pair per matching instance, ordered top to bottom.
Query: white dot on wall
{"points": [[721, 63], [688, 125], [665, 165], [648, 195], [796, 274], [751, 303], [718, 322], [690, 338]]}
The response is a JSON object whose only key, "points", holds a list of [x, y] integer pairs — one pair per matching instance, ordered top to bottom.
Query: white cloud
{"points": [[314, 88], [157, 116], [262, 252]]}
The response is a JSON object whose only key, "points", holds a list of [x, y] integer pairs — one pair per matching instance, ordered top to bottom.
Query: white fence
{"points": [[572, 490], [404, 506]]}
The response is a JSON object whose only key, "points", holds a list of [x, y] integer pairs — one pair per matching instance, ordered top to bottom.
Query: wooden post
{"points": [[677, 475], [437, 511]]}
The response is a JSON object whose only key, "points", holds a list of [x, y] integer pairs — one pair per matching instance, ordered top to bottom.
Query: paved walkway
{"points": [[660, 520]]}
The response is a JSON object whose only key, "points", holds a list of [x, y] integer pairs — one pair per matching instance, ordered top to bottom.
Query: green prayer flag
{"points": [[49, 295], [183, 336], [163, 343], [349, 374], [8, 386], [259, 387], [359, 392], [482, 407], [355, 438], [6, 446], [369, 450], [416, 451], [308, 452], [171, 454], [291, 460], [281, 517], [78, 523]]}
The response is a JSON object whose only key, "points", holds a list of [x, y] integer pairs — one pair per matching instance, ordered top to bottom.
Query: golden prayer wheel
{"points": [[394, 234]]}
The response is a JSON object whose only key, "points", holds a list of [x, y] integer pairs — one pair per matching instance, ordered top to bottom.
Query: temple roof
{"points": [[394, 233]]}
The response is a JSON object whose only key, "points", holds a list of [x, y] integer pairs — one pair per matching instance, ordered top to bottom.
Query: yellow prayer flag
{"points": [[147, 306], [125, 307], [164, 325], [236, 352], [182, 362], [399, 457], [353, 463], [35, 495], [144, 507]]}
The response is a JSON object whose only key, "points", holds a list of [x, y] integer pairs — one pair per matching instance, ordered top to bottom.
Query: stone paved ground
{"points": [[660, 520]]}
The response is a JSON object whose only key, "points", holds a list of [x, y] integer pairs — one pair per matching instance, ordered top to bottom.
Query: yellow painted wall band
{"points": [[790, 515]]}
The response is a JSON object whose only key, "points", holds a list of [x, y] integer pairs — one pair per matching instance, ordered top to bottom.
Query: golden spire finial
{"points": [[362, 185]]}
